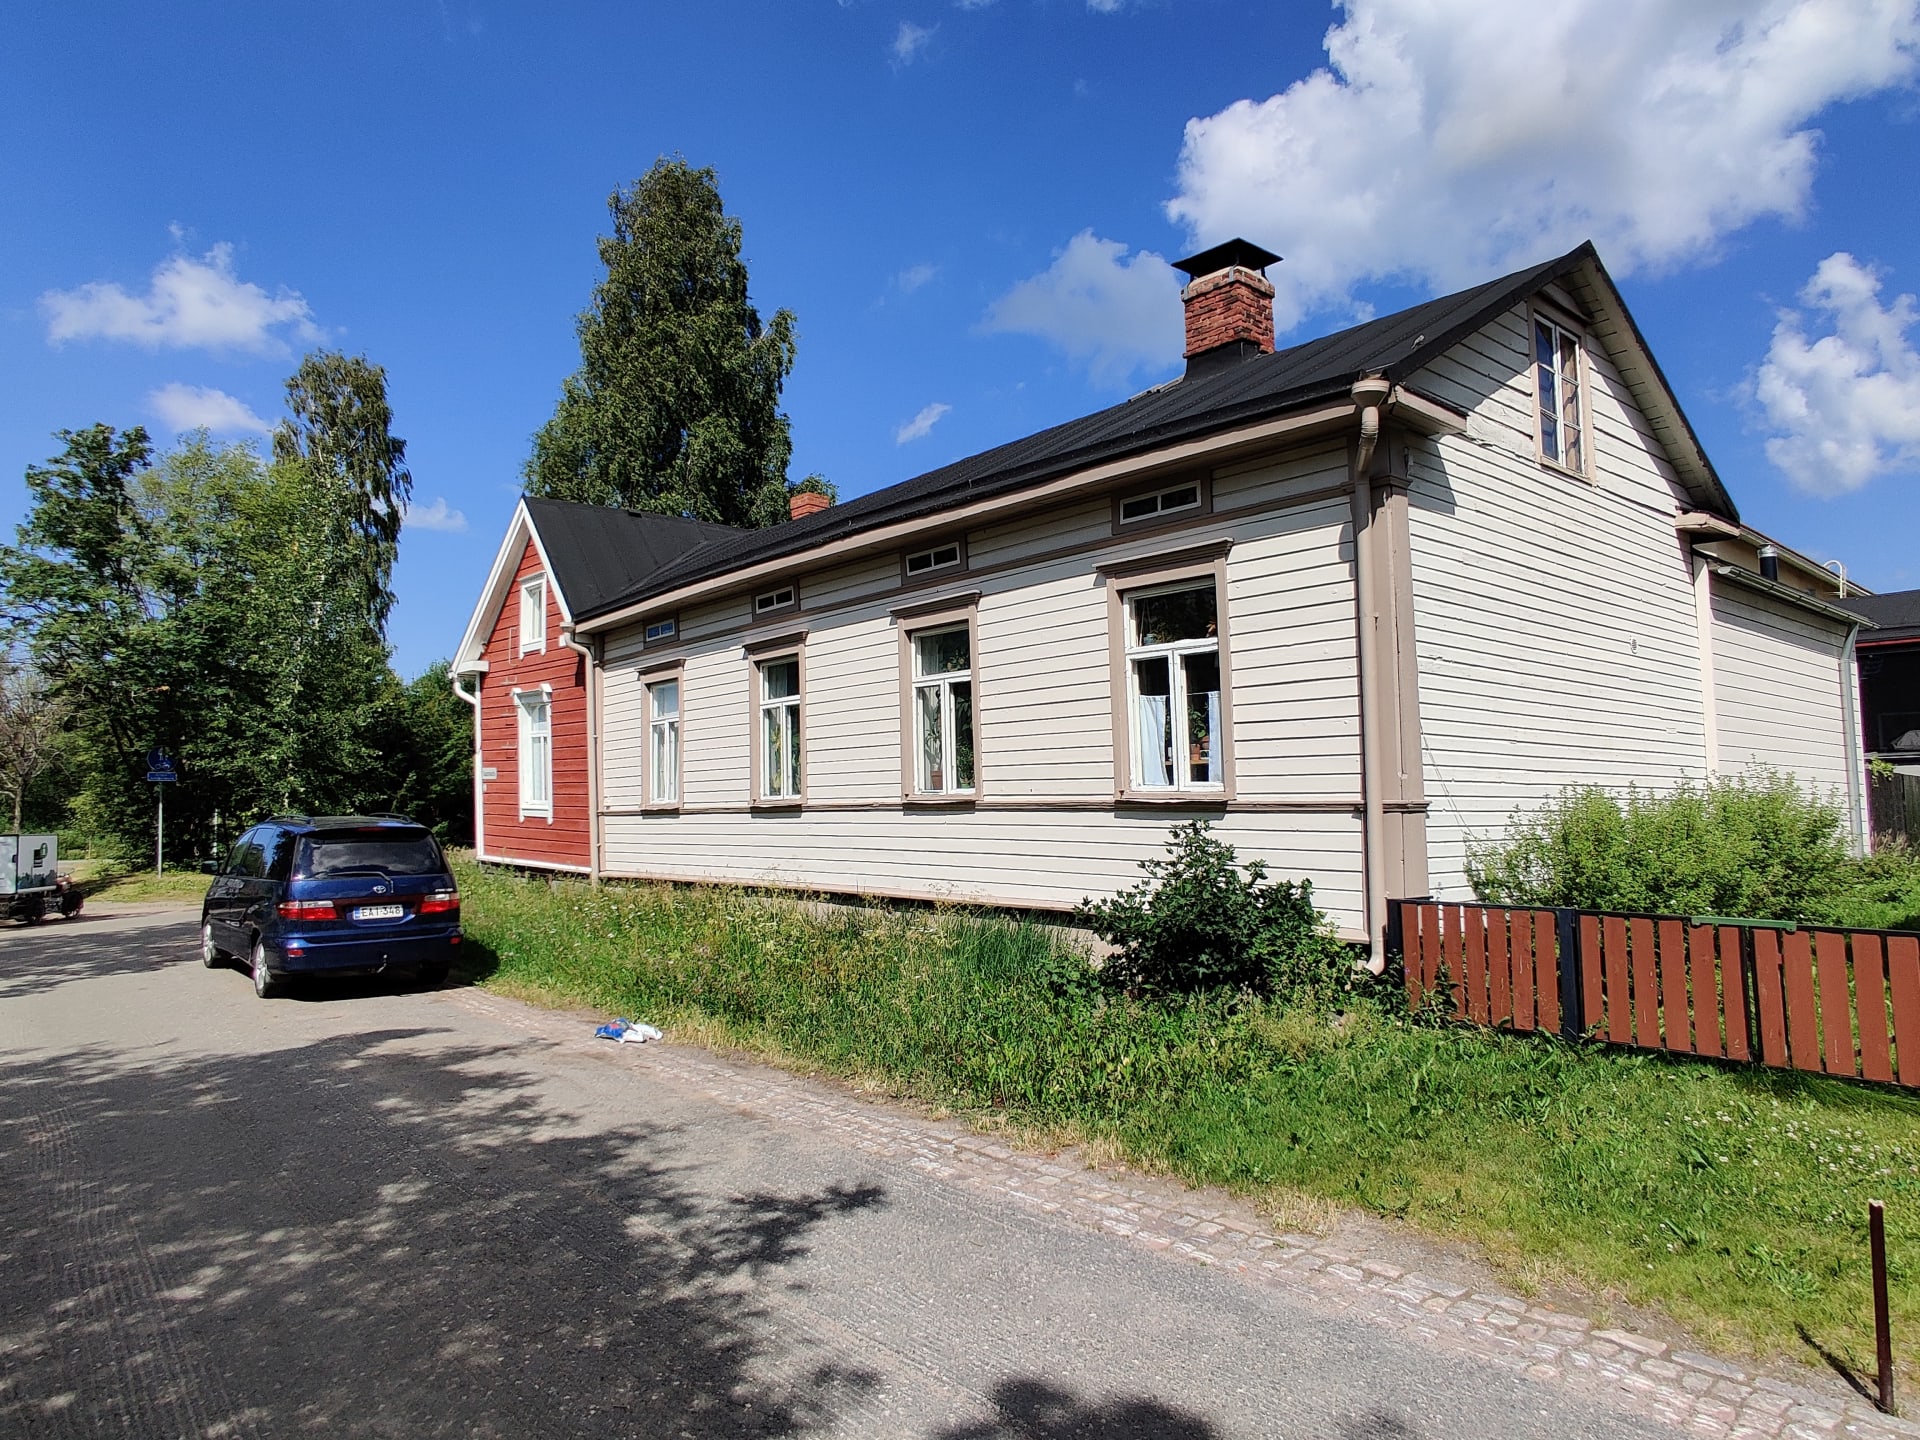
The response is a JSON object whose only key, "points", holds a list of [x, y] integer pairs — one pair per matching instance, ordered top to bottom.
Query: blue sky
{"points": [[966, 205]]}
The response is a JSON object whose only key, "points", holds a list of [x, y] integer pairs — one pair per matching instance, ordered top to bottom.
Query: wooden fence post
{"points": [[1573, 1010]]}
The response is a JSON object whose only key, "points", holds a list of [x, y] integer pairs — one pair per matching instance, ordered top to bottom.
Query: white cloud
{"points": [[1106, 7], [910, 42], [1451, 140], [913, 277], [190, 303], [1114, 312], [1845, 406], [198, 407], [920, 425], [437, 516]]}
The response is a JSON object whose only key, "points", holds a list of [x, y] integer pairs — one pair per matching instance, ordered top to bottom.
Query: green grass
{"points": [[101, 881], [1733, 1199]]}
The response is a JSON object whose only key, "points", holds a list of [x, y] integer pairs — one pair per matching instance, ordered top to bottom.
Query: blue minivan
{"points": [[335, 895]]}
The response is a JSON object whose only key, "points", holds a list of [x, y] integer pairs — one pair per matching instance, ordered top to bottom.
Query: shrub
{"points": [[1758, 847], [1203, 921]]}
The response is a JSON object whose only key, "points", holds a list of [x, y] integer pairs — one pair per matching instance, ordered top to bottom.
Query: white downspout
{"points": [[1369, 396], [1709, 687], [472, 697], [593, 751], [1856, 761]]}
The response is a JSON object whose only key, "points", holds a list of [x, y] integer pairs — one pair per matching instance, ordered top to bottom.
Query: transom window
{"points": [[1556, 366], [1160, 502], [940, 557], [782, 599], [533, 616], [659, 630], [1173, 685], [943, 711], [534, 723], [780, 729], [663, 741]]}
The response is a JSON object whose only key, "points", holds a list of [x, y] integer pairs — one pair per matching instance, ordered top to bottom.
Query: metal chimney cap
{"points": [[1244, 253]]}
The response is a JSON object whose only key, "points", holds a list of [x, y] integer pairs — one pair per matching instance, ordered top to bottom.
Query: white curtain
{"points": [[1154, 716], [1214, 773]]}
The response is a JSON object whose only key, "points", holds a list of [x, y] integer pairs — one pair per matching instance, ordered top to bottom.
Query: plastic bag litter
{"points": [[627, 1032]]}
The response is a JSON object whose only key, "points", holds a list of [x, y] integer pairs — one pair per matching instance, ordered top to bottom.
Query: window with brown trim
{"points": [[1560, 395], [1188, 497], [917, 564], [771, 602], [1172, 677], [942, 708], [663, 740], [779, 764]]}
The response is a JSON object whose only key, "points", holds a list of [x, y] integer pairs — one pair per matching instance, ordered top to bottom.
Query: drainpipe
{"points": [[1370, 395], [472, 697], [593, 750], [1856, 762]]}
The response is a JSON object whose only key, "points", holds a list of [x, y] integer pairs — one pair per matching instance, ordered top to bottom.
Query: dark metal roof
{"points": [[1244, 253], [1194, 405], [599, 553], [1897, 613]]}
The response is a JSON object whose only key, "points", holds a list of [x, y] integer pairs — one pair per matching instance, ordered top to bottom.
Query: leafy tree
{"points": [[675, 406], [340, 430], [30, 733], [429, 764]]}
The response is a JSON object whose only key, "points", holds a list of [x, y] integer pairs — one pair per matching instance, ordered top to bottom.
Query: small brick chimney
{"points": [[1229, 304], [803, 503]]}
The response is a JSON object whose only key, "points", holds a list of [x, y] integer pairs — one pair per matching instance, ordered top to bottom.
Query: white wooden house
{"points": [[1002, 681]]}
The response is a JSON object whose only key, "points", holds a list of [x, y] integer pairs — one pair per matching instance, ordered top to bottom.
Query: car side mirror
{"points": [[209, 867]]}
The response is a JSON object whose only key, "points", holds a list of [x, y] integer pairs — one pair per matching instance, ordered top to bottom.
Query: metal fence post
{"points": [[1573, 1017]]}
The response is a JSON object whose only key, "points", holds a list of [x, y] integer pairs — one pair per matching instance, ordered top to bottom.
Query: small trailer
{"points": [[31, 884]]}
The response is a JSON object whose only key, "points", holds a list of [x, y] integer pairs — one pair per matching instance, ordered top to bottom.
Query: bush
{"points": [[1757, 847], [1202, 921]]}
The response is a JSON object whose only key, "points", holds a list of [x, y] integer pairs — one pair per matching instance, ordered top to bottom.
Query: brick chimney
{"points": [[1229, 304], [803, 503]]}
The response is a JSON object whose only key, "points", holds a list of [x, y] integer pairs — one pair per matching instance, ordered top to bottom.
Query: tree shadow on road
{"points": [[39, 959], [390, 1232], [1033, 1409]]}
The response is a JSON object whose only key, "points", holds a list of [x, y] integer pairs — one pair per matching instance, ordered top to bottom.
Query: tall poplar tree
{"points": [[676, 405]]}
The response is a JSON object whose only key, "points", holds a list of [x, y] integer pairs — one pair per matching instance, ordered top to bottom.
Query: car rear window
{"points": [[392, 852]]}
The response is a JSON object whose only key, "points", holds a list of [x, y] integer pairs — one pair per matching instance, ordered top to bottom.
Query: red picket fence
{"points": [[1836, 1002]]}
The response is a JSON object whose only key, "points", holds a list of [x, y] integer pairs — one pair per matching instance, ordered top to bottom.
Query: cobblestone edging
{"points": [[1700, 1393]]}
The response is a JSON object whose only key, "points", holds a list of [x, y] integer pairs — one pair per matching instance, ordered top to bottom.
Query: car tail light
{"points": [[440, 902], [308, 910]]}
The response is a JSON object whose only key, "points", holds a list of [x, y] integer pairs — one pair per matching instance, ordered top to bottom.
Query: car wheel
{"points": [[210, 954], [434, 973], [265, 983]]}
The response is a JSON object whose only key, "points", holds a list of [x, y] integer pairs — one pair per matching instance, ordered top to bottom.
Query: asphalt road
{"points": [[368, 1210]]}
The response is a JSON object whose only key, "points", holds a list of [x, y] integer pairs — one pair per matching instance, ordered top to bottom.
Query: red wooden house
{"points": [[525, 674]]}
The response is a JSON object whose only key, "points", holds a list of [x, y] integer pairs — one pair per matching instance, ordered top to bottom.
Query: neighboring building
{"points": [[1001, 682], [1890, 709], [533, 798]]}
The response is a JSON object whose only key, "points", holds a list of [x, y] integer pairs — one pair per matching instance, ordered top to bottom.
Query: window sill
{"points": [[1554, 467], [1171, 799], [940, 802], [776, 806], [660, 807], [546, 815]]}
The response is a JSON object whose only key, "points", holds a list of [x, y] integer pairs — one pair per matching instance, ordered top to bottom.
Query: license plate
{"points": [[379, 912]]}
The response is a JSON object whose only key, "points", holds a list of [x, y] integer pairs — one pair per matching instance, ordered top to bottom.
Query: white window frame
{"points": [[1562, 336], [1199, 504], [955, 552], [777, 601], [533, 615], [662, 630], [1175, 653], [942, 682], [534, 739], [664, 740], [792, 780]]}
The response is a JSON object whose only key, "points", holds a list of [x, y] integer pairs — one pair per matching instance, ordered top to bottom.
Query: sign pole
{"points": [[160, 830]]}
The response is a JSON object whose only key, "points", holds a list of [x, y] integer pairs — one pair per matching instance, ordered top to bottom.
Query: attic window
{"points": [[1559, 392], [1160, 502], [940, 557], [782, 599], [533, 616], [658, 630]]}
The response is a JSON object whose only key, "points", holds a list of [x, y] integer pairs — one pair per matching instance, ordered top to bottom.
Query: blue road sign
{"points": [[160, 765], [161, 775]]}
